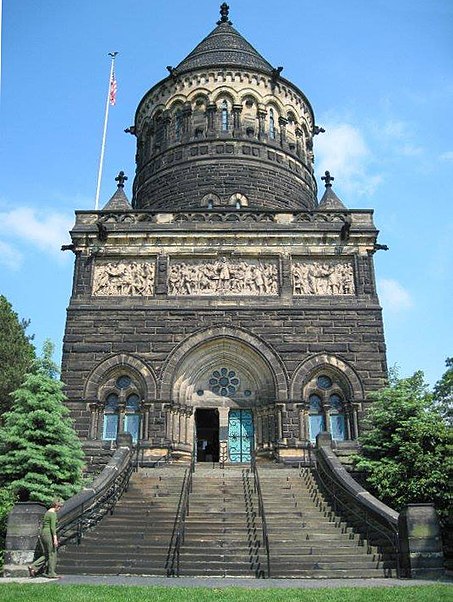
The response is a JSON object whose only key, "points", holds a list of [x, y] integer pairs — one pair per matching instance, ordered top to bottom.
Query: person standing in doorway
{"points": [[49, 544]]}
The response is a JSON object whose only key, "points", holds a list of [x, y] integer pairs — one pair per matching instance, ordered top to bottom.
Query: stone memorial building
{"points": [[224, 309]]}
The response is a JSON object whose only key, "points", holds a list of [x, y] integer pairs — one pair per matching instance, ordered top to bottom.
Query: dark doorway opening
{"points": [[207, 432]]}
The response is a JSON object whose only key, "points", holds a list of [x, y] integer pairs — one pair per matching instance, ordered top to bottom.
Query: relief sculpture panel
{"points": [[223, 277], [323, 278], [123, 279]]}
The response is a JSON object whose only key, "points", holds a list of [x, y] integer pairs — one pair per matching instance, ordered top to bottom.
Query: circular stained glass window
{"points": [[123, 382], [224, 382], [324, 382], [200, 392], [247, 393]]}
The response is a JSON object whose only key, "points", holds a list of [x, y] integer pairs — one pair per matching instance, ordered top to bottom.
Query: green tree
{"points": [[16, 353], [443, 393], [40, 453], [405, 453]]}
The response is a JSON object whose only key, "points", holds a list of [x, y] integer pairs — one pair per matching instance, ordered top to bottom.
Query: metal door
{"points": [[240, 435]]}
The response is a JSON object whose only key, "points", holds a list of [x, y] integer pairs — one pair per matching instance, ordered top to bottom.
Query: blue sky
{"points": [[378, 74]]}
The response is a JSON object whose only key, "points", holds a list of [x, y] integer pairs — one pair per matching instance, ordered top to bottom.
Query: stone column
{"points": [[237, 109], [211, 111], [186, 121], [166, 122], [282, 122], [261, 123], [299, 143], [280, 407], [147, 409], [121, 413], [94, 419], [302, 422], [223, 429], [355, 433], [420, 542]]}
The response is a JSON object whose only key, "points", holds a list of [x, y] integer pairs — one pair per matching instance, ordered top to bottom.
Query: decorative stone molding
{"points": [[228, 277], [323, 278], [123, 279]]}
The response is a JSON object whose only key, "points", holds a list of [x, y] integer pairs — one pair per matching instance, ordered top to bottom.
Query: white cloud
{"points": [[410, 150], [343, 151], [447, 156], [46, 230], [10, 257], [393, 295]]}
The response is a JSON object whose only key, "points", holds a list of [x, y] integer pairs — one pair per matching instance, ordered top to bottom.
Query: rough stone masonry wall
{"points": [[94, 334]]}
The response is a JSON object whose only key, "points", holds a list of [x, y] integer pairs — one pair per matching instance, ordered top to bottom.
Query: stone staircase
{"points": [[223, 530], [135, 538], [306, 539]]}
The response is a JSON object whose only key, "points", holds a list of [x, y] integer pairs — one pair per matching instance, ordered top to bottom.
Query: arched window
{"points": [[224, 116], [271, 124], [121, 407], [327, 407], [132, 416], [316, 416], [111, 417], [337, 418]]}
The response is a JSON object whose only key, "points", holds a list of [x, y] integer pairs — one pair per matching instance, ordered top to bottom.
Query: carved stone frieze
{"points": [[223, 277], [323, 278], [123, 279]]}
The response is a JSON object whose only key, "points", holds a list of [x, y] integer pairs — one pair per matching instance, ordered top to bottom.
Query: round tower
{"points": [[224, 129]]}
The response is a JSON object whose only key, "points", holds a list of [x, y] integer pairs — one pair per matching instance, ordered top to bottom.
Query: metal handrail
{"points": [[91, 512], [261, 513], [179, 526], [388, 530], [253, 541]]}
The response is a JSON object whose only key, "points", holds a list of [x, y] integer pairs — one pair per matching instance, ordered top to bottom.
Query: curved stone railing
{"points": [[78, 513], [376, 522]]}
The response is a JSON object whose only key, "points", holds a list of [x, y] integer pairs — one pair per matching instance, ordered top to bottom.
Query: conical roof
{"points": [[224, 46], [329, 198], [119, 201]]}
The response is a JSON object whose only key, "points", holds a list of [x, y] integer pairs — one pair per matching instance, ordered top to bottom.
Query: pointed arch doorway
{"points": [[223, 400]]}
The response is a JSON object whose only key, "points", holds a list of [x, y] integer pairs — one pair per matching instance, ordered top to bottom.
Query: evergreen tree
{"points": [[16, 353], [443, 393], [40, 453], [406, 453]]}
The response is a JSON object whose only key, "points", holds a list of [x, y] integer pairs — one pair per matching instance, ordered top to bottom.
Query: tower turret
{"points": [[224, 129]]}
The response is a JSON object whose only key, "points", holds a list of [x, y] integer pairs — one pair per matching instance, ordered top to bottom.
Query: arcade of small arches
{"points": [[247, 117], [225, 401]]}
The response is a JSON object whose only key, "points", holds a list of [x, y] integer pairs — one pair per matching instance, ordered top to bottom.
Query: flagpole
{"points": [[104, 134]]}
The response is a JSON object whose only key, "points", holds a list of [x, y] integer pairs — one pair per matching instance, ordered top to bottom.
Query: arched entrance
{"points": [[224, 391]]}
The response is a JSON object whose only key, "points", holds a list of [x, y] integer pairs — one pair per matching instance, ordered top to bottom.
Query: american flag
{"points": [[113, 89]]}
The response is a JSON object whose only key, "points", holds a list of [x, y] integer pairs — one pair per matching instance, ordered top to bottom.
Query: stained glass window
{"points": [[224, 381], [123, 382], [324, 382]]}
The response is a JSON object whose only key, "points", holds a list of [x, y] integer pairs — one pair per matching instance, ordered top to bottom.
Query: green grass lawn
{"points": [[97, 593]]}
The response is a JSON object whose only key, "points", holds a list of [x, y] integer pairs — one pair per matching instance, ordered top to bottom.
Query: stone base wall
{"points": [[94, 335]]}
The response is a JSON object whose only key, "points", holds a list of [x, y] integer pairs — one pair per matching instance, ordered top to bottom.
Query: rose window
{"points": [[224, 382]]}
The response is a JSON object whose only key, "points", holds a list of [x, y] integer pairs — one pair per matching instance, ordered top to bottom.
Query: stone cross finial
{"points": [[224, 11], [121, 178], [328, 179]]}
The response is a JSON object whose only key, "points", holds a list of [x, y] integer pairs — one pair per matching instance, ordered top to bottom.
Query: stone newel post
{"points": [[22, 537], [421, 542]]}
